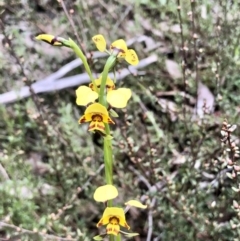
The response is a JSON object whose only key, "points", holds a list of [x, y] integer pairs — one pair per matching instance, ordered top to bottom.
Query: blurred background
{"points": [[175, 145]]}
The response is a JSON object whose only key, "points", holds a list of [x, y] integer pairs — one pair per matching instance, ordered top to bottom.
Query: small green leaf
{"points": [[113, 113], [108, 137], [129, 235], [98, 237]]}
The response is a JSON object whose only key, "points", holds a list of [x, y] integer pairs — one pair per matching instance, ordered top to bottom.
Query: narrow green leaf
{"points": [[98, 237]]}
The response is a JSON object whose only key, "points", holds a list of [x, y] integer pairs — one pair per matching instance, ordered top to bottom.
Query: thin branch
{"points": [[73, 26], [195, 37], [183, 49], [150, 219], [30, 232]]}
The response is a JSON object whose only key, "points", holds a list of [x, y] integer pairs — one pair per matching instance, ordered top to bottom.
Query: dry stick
{"points": [[73, 26], [195, 37], [184, 57], [218, 60], [183, 67], [49, 85], [150, 219], [22, 230]]}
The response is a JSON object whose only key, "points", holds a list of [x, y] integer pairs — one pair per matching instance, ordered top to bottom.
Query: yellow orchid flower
{"points": [[50, 39], [118, 47], [116, 98], [98, 115], [113, 217]]}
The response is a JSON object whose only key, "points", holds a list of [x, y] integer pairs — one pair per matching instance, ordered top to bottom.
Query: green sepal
{"points": [[64, 42], [113, 113], [108, 137], [129, 235], [98, 237]]}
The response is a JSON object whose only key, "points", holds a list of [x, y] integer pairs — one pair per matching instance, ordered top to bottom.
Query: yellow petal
{"points": [[48, 38], [100, 42], [120, 46], [131, 57], [85, 95], [119, 98], [96, 109], [84, 118], [97, 126], [105, 193], [135, 203], [111, 212], [113, 229]]}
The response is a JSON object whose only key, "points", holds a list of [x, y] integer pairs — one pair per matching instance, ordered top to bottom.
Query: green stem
{"points": [[80, 54], [110, 62], [108, 154], [108, 158], [111, 237], [118, 238]]}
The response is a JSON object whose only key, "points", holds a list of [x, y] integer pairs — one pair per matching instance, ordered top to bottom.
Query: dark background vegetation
{"points": [[165, 154]]}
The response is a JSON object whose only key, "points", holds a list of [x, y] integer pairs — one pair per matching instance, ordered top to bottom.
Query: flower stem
{"points": [[80, 54], [110, 62], [108, 155], [108, 158], [118, 238]]}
